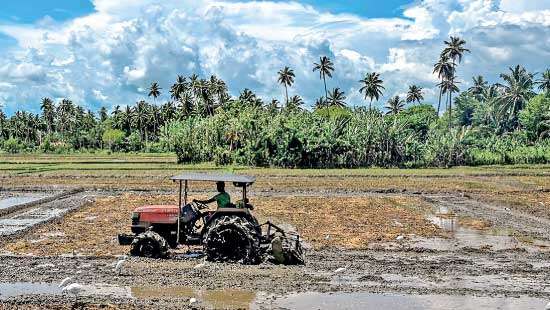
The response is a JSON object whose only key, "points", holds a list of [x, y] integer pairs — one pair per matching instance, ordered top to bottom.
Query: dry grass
{"points": [[349, 222], [91, 230]]}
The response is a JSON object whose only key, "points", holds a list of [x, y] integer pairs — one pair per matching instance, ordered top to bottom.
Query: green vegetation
{"points": [[504, 123]]}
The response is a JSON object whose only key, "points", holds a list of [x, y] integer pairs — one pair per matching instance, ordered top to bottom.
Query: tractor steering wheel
{"points": [[199, 205]]}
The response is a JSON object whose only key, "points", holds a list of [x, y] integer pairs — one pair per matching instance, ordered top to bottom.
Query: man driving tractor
{"points": [[222, 198], [229, 233]]}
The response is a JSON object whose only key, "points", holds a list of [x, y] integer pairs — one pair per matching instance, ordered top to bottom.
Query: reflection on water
{"points": [[462, 236], [27, 288], [215, 299], [242, 299], [312, 300]]}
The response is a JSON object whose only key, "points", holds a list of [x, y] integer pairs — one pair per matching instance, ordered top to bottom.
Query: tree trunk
{"points": [[325, 82], [286, 93], [439, 104], [450, 108]]}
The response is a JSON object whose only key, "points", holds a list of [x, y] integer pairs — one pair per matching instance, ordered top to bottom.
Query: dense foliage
{"points": [[504, 123]]}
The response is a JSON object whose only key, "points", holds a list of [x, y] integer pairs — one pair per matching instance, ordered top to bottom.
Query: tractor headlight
{"points": [[135, 216]]}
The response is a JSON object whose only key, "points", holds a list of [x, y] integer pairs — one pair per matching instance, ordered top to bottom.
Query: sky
{"points": [[106, 53]]}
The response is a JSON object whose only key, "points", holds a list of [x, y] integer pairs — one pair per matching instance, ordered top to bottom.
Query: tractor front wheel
{"points": [[232, 239], [149, 244]]}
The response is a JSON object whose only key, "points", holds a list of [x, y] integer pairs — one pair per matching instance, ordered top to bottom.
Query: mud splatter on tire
{"points": [[233, 239], [149, 244]]}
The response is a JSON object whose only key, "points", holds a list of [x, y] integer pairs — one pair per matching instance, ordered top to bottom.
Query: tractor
{"points": [[229, 234]]}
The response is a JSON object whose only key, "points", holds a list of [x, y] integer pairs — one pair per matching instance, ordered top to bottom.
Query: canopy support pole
{"points": [[185, 193], [179, 210]]}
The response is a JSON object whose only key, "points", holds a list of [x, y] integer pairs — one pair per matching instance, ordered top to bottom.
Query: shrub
{"points": [[114, 139], [13, 145]]}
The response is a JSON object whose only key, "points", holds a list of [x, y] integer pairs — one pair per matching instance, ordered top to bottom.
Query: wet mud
{"points": [[487, 256]]}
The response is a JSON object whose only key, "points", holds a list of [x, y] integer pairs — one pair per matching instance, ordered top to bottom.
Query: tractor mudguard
{"points": [[227, 212]]}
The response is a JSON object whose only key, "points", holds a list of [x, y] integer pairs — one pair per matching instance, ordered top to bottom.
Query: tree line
{"points": [[506, 122]]}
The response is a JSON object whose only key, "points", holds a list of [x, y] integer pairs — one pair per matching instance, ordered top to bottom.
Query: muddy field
{"points": [[463, 238]]}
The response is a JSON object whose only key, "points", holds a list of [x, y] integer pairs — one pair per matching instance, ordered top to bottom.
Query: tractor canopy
{"points": [[237, 180]]}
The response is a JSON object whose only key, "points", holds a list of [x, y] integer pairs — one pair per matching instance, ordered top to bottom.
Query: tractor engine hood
{"points": [[161, 214]]}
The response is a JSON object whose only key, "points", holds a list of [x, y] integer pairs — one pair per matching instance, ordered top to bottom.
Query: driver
{"points": [[222, 198]]}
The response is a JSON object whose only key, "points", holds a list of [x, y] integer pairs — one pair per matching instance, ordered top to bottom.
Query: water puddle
{"points": [[9, 202], [466, 237], [23, 288], [28, 288], [210, 299], [243, 299], [352, 301]]}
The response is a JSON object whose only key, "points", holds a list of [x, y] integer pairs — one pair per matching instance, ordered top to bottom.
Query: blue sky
{"points": [[28, 11], [31, 11], [106, 52]]}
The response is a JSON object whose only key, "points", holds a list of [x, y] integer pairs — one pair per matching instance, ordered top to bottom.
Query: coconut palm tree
{"points": [[455, 49], [325, 68], [444, 68], [286, 77], [544, 82], [195, 85], [448, 86], [372, 87], [478, 87], [178, 88], [219, 88], [517, 90], [154, 91], [492, 92], [414, 94], [205, 95], [247, 96], [336, 98], [295, 102], [320, 103], [185, 105], [395, 105], [273, 106], [116, 111], [48, 112], [168, 112], [103, 114], [65, 115], [140, 117], [126, 119], [3, 123]]}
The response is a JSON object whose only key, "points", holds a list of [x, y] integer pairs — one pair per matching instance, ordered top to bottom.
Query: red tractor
{"points": [[230, 233]]}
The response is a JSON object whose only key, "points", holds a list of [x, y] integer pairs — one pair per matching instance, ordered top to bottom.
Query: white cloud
{"points": [[525, 5], [110, 56]]}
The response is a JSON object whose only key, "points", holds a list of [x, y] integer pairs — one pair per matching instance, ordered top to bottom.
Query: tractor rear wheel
{"points": [[232, 238], [149, 244]]}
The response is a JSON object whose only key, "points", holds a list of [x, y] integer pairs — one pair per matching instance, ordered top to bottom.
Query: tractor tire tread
{"points": [[161, 244], [252, 252]]}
